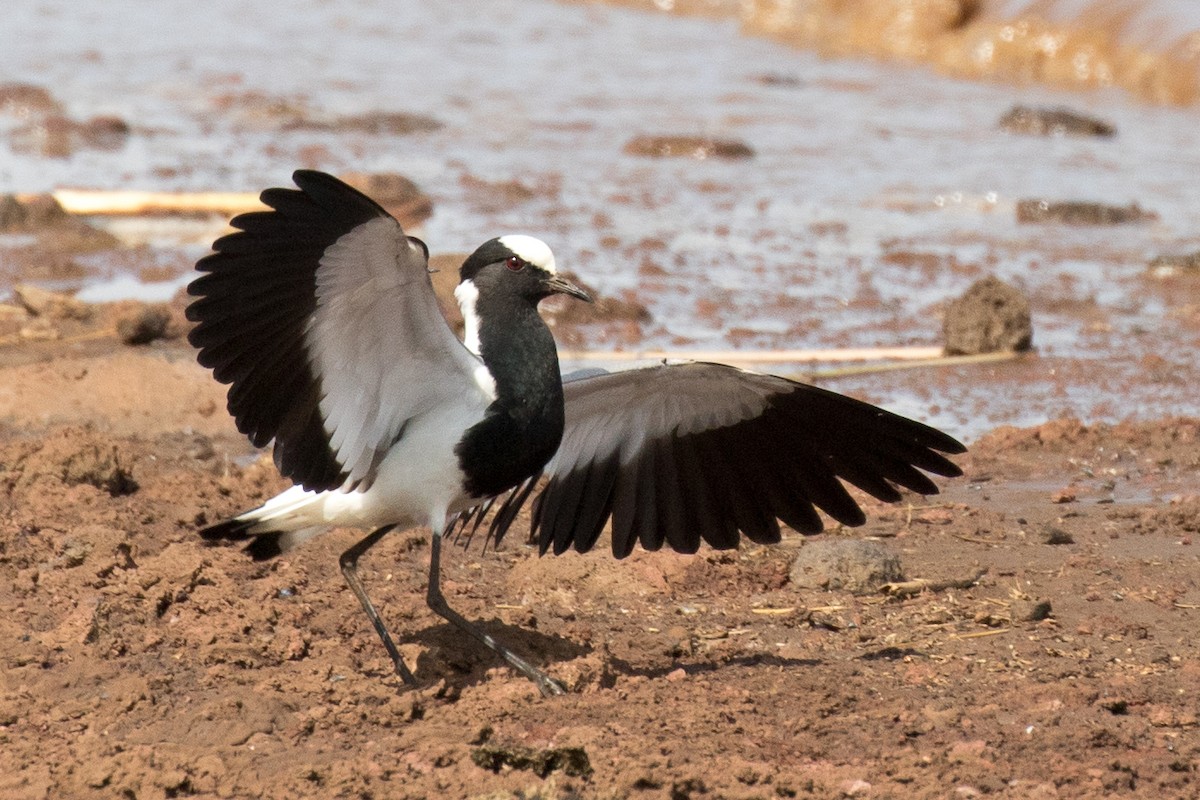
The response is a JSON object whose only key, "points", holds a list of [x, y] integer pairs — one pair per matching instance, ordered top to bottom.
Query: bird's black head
{"points": [[516, 266]]}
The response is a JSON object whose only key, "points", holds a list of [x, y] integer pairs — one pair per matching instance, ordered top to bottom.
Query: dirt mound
{"points": [[138, 662]]}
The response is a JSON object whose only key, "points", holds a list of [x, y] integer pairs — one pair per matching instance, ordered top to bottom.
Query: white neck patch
{"points": [[530, 249], [467, 295]]}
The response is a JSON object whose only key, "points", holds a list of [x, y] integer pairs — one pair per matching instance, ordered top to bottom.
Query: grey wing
{"points": [[321, 316], [687, 453]]}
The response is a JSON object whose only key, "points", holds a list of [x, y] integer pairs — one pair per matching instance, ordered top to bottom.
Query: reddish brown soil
{"points": [[138, 663]]}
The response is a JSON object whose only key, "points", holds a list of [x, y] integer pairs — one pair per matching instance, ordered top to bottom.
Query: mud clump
{"points": [[26, 99], [1053, 122], [381, 123], [59, 136], [697, 147], [1080, 213], [991, 317], [144, 324], [74, 456], [851, 565], [572, 761]]}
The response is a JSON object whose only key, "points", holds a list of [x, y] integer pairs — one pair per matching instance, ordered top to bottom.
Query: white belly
{"points": [[418, 482]]}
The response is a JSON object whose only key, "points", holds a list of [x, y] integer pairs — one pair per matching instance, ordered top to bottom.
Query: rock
{"points": [[1053, 122], [697, 147], [1078, 212], [52, 305], [990, 317], [144, 324], [852, 565]]}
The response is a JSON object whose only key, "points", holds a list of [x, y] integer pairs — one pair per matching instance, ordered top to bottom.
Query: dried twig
{"points": [[104, 202], [918, 585]]}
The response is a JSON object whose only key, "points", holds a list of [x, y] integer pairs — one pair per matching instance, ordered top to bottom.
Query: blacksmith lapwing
{"points": [[321, 315]]}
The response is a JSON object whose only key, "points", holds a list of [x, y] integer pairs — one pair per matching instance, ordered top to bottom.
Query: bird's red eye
{"points": [[515, 264]]}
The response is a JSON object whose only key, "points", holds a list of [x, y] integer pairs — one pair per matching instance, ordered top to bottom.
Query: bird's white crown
{"points": [[530, 249]]}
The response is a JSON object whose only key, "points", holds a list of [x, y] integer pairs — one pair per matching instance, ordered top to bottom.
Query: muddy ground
{"points": [[139, 663]]}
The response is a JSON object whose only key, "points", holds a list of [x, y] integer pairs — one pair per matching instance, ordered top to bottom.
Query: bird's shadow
{"points": [[453, 656]]}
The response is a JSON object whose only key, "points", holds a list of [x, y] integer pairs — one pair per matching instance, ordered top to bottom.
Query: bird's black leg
{"points": [[349, 564], [547, 685]]}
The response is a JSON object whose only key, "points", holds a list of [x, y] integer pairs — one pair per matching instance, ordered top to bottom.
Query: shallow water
{"points": [[877, 191]]}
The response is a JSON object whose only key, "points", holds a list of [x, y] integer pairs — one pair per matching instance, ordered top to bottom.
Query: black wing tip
{"points": [[319, 185], [947, 444]]}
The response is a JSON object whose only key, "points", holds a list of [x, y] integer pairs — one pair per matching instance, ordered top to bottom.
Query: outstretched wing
{"points": [[321, 316], [700, 452]]}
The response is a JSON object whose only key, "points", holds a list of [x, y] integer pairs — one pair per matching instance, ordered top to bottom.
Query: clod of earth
{"points": [[1054, 122], [697, 147], [1081, 213], [990, 317], [143, 325], [853, 565], [572, 761]]}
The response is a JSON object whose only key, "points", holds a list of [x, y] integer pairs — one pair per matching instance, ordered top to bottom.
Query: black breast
{"points": [[524, 426], [508, 446]]}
